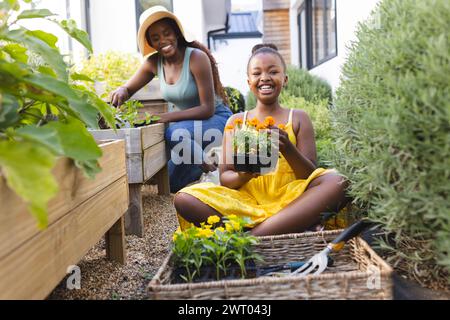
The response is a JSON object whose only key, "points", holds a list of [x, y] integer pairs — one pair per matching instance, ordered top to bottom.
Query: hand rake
{"points": [[320, 260]]}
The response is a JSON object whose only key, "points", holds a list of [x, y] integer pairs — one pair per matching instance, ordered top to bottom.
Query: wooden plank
{"points": [[152, 108], [152, 134], [132, 137], [155, 158], [135, 169], [162, 180], [134, 220], [17, 224], [115, 242], [34, 269]]}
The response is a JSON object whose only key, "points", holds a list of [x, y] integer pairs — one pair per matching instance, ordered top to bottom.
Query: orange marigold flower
{"points": [[238, 121], [269, 121], [254, 122], [261, 126], [282, 126], [229, 127]]}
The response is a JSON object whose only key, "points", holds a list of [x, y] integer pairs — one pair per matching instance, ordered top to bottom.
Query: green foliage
{"points": [[111, 69], [303, 84], [235, 99], [42, 115], [127, 115], [321, 119], [392, 130], [221, 247]]}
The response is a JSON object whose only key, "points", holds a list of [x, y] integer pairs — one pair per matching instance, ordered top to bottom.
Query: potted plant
{"points": [[254, 145]]}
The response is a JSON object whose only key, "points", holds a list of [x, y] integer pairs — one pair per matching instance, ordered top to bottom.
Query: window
{"points": [[317, 32]]}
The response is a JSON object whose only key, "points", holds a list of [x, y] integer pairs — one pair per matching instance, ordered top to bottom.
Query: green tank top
{"points": [[183, 94]]}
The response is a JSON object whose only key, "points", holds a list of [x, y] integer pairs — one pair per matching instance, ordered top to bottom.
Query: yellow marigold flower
{"points": [[238, 121], [269, 121], [282, 126], [229, 127], [213, 219], [229, 227], [221, 229], [204, 233]]}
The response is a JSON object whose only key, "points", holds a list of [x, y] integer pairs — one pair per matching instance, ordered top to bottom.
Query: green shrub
{"points": [[112, 69], [303, 84], [236, 99], [250, 101], [320, 117], [391, 125]]}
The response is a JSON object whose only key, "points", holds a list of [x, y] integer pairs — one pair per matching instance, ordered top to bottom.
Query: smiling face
{"points": [[163, 37], [266, 76]]}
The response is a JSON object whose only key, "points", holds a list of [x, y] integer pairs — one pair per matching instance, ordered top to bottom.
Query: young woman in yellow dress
{"points": [[287, 200]]}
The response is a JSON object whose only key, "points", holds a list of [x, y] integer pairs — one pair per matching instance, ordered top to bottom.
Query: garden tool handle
{"points": [[349, 233]]}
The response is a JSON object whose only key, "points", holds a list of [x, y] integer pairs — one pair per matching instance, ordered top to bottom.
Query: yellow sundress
{"points": [[259, 198]]}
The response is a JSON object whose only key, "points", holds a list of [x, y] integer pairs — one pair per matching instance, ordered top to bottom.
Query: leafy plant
{"points": [[109, 70], [236, 99], [43, 114], [127, 116], [391, 125], [214, 245]]}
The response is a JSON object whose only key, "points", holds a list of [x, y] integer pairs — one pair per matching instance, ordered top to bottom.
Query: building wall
{"points": [[349, 14], [191, 16], [113, 25], [276, 28], [232, 57]]}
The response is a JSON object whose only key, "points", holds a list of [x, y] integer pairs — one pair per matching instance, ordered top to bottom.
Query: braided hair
{"points": [[266, 48], [218, 88]]}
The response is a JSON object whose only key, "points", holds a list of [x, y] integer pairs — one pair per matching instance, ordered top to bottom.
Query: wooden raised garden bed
{"points": [[146, 157], [33, 261], [357, 273]]}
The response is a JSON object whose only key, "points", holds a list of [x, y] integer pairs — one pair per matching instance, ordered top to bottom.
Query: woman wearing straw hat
{"points": [[189, 79]]}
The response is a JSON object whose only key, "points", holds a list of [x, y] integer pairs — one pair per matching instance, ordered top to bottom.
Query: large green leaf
{"points": [[35, 13], [70, 26], [48, 38], [17, 52], [50, 55], [80, 77], [84, 110], [8, 111], [45, 135], [75, 140], [27, 167]]}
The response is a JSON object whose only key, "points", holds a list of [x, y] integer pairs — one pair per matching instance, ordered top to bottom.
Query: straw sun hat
{"points": [[150, 16]]}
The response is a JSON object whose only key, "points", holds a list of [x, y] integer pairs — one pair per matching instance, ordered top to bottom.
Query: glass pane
{"points": [[331, 27], [323, 29], [318, 32]]}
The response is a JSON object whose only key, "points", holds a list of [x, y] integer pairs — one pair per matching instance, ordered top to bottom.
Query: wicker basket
{"points": [[358, 273]]}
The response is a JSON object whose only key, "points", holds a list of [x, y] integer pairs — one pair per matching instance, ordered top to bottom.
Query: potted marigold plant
{"points": [[254, 145], [214, 251]]}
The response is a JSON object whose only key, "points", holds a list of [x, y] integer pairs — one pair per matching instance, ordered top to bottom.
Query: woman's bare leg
{"points": [[325, 193], [192, 209]]}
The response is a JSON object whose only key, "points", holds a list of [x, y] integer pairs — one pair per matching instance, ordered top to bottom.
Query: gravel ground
{"points": [[103, 279]]}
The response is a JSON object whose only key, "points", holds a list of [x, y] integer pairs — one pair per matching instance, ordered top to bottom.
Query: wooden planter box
{"points": [[146, 157], [32, 261], [357, 273]]}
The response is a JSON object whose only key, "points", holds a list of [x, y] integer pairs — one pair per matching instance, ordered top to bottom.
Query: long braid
{"points": [[216, 78]]}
